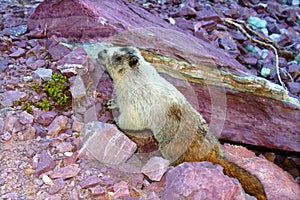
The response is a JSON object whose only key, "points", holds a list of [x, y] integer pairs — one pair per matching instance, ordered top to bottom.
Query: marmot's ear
{"points": [[133, 61]]}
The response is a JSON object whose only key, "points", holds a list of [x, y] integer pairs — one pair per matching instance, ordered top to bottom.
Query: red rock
{"points": [[185, 11], [207, 14], [87, 19], [58, 51], [17, 53], [250, 61], [73, 62], [37, 64], [294, 87], [7, 98], [26, 118], [46, 118], [9, 122], [58, 124], [106, 143], [64, 147], [45, 163], [155, 168], [65, 172], [201, 180], [90, 181], [277, 183], [58, 184], [99, 190], [121, 190]]}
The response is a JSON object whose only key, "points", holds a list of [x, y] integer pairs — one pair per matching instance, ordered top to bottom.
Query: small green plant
{"points": [[56, 87], [57, 90], [45, 104], [27, 107]]}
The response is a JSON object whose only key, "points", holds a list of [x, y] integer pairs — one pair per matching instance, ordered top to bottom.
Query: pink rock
{"points": [[87, 19], [58, 51], [19, 52], [73, 62], [37, 64], [294, 87], [7, 98], [26, 118], [46, 118], [10, 122], [58, 124], [77, 126], [6, 136], [106, 143], [65, 147], [45, 163], [155, 168], [65, 172], [201, 180], [90, 182], [277, 183], [58, 184], [98, 190], [121, 190]]}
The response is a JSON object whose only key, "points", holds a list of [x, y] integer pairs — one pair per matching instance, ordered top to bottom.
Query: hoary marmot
{"points": [[146, 101]]}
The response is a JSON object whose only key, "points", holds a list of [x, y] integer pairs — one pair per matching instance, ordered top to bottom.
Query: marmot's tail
{"points": [[250, 182]]}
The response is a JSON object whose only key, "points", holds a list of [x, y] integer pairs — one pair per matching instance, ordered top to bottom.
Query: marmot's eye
{"points": [[118, 58]]}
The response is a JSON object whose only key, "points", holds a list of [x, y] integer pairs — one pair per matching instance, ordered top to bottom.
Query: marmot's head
{"points": [[120, 61]]}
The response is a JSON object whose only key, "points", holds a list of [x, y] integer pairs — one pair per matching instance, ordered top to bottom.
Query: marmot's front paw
{"points": [[111, 104]]}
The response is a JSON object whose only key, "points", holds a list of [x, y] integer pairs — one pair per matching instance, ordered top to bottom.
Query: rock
{"points": [[185, 11], [89, 19], [257, 23], [16, 31], [58, 51], [18, 53], [250, 61], [73, 62], [37, 64], [265, 72], [44, 73], [294, 87], [77, 88], [7, 98], [90, 114], [26, 118], [46, 118], [9, 122], [58, 124], [1, 125], [77, 126], [40, 131], [28, 133], [6, 136], [106, 143], [64, 147], [45, 163], [155, 168], [65, 172], [271, 179], [47, 180], [200, 180], [90, 182], [58, 184], [98, 190], [121, 190]]}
